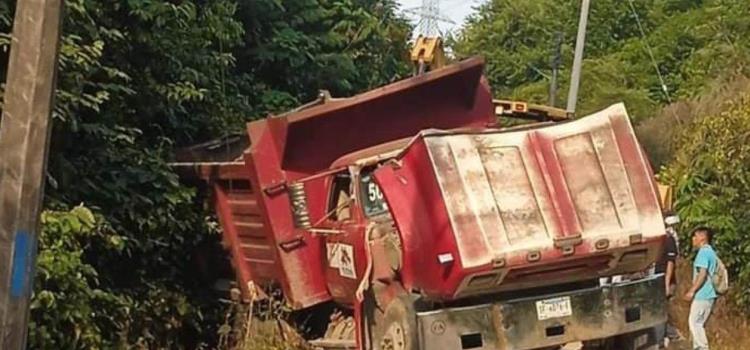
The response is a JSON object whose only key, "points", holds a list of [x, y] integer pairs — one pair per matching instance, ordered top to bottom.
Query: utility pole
{"points": [[556, 60], [575, 79], [24, 139]]}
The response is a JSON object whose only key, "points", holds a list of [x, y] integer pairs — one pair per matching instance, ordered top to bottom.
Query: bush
{"points": [[658, 134], [711, 174], [76, 305], [68, 308]]}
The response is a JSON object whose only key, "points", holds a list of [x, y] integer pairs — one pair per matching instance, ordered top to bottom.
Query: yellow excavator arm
{"points": [[427, 54]]}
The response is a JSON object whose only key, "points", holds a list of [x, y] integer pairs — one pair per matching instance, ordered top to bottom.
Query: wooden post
{"points": [[24, 138]]}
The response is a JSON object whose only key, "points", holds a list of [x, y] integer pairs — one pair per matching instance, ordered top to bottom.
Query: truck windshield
{"points": [[373, 202]]}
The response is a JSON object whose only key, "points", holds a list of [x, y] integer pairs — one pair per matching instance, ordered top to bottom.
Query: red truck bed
{"points": [[249, 183], [245, 234]]}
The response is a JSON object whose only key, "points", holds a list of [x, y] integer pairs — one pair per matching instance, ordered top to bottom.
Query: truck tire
{"points": [[398, 331], [640, 340]]}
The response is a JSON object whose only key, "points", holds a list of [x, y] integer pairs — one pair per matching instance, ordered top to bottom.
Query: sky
{"points": [[456, 10]]}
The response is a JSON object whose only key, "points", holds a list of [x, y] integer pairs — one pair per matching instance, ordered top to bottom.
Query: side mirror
{"points": [[300, 210]]}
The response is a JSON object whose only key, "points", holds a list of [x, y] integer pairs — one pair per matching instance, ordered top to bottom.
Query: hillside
{"points": [[693, 42]]}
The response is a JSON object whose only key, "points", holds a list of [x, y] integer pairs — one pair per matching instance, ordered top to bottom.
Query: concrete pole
{"points": [[555, 70], [575, 78], [24, 139]]}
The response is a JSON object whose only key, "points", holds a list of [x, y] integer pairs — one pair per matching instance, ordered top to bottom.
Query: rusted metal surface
{"points": [[225, 149], [211, 171], [525, 198], [518, 324]]}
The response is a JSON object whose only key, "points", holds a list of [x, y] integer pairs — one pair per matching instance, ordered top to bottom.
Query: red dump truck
{"points": [[406, 218]]}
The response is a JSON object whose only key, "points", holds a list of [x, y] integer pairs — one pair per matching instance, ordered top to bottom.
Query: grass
{"points": [[246, 328]]}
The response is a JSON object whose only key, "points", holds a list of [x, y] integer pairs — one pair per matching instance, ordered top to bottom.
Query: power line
{"points": [[453, 4], [431, 11], [664, 87]]}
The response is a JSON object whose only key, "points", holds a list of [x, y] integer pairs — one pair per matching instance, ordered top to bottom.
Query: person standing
{"points": [[666, 265], [702, 293]]}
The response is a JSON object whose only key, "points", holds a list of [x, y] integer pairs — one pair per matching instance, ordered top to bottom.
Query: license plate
{"points": [[553, 308]]}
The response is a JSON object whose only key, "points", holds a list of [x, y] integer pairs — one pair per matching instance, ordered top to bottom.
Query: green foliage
{"points": [[693, 42], [295, 48], [139, 79], [658, 133], [711, 174], [69, 309]]}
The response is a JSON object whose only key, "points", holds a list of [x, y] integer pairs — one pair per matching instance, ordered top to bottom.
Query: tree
{"points": [[692, 43], [295, 48], [139, 79], [710, 173]]}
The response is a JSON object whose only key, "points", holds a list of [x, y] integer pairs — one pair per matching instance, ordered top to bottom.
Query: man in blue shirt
{"points": [[702, 293]]}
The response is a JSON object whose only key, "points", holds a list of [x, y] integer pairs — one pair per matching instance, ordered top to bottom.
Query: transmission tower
{"points": [[429, 17], [428, 24]]}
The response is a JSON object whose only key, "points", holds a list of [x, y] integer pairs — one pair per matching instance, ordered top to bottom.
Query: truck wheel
{"points": [[398, 330], [640, 340]]}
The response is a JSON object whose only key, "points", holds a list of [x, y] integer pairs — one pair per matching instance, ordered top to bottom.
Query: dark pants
{"points": [[667, 330]]}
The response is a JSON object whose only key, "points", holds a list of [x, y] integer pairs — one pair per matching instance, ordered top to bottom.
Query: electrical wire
{"points": [[650, 51], [664, 87]]}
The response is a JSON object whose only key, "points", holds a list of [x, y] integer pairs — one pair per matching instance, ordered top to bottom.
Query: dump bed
{"points": [[249, 181], [496, 210], [245, 233]]}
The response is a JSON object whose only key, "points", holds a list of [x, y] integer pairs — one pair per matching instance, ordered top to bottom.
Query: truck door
{"points": [[345, 255]]}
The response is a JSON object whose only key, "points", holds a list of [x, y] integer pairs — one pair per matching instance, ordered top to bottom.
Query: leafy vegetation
{"points": [[693, 42], [299, 47], [139, 79], [711, 173], [69, 309]]}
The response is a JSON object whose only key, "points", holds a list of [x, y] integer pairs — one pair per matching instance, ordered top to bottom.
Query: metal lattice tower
{"points": [[429, 17], [428, 23]]}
